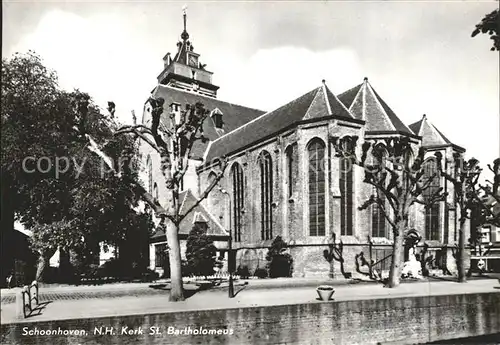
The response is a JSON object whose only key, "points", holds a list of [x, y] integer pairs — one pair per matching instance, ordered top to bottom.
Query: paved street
{"points": [[247, 296]]}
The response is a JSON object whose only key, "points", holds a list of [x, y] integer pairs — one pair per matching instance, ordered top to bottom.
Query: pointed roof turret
{"points": [[365, 104], [431, 136]]}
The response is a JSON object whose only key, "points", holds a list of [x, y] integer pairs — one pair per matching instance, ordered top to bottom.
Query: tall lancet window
{"points": [[316, 153], [291, 168], [149, 171], [346, 187], [266, 195], [238, 199], [432, 212], [378, 220]]}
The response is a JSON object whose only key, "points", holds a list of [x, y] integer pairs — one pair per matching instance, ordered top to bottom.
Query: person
{"points": [[9, 278]]}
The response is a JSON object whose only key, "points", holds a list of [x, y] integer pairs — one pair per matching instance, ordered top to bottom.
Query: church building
{"points": [[284, 179]]}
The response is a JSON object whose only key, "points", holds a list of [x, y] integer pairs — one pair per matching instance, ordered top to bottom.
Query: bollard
{"points": [[20, 304]]}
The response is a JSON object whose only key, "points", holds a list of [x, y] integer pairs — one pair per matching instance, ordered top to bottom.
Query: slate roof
{"points": [[317, 103], [366, 104], [233, 115], [431, 136], [200, 213]]}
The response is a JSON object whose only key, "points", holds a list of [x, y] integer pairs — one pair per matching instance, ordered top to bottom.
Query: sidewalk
{"points": [[129, 289], [246, 297]]}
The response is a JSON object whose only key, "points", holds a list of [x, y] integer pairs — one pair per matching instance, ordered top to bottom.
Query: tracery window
{"points": [[316, 155], [266, 194], [238, 199]]}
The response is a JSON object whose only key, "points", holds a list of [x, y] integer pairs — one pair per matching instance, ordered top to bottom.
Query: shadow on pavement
{"points": [[166, 287], [38, 309]]}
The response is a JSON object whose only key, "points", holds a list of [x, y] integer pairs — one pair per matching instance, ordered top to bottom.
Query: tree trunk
{"points": [[7, 247], [397, 256], [43, 263], [65, 273], [462, 275], [176, 288]]}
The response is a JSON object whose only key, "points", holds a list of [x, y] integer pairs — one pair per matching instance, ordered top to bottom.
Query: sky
{"points": [[418, 55]]}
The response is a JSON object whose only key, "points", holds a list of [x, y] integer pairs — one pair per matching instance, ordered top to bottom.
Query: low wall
{"points": [[392, 320]]}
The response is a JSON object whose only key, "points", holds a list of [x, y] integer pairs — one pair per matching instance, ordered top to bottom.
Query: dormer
{"points": [[167, 60], [175, 112], [216, 116]]}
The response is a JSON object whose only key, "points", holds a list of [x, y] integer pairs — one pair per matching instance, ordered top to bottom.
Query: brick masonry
{"points": [[290, 214], [408, 320]]}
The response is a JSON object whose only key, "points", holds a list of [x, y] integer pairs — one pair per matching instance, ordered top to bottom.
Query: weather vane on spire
{"points": [[184, 35]]}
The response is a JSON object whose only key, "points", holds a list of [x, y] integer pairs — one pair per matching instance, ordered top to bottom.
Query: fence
{"points": [[368, 259], [27, 300]]}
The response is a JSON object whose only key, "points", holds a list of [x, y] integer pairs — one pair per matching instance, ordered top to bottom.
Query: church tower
{"points": [[185, 71]]}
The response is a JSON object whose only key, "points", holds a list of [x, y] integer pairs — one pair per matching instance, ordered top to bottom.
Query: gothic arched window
{"points": [[316, 154], [291, 163], [149, 170], [155, 191], [266, 195], [214, 197], [238, 199], [346, 200], [432, 212], [378, 221]]}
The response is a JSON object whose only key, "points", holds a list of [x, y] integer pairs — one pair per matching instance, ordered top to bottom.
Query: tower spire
{"points": [[184, 35]]}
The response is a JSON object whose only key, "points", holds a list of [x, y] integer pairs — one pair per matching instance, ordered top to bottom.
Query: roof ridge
{"points": [[352, 88], [329, 92], [325, 94], [375, 95], [208, 97], [310, 104], [261, 116], [397, 121], [436, 131]]}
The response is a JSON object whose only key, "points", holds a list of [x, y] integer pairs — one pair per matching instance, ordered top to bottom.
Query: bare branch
{"points": [[138, 133]]}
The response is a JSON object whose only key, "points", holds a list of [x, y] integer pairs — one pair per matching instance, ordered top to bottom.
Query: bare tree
{"points": [[173, 141], [464, 178], [399, 181], [489, 197]]}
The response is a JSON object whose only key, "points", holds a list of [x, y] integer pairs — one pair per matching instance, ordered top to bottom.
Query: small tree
{"points": [[490, 25], [399, 182], [489, 196], [200, 252], [279, 261]]}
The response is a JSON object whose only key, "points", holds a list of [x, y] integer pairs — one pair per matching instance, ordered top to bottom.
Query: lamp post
{"points": [[229, 247]]}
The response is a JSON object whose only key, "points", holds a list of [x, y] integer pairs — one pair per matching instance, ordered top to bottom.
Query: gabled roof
{"points": [[317, 103], [366, 104], [233, 115], [431, 136], [187, 200]]}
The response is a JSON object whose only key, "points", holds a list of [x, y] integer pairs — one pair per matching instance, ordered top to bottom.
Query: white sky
{"points": [[418, 55]]}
